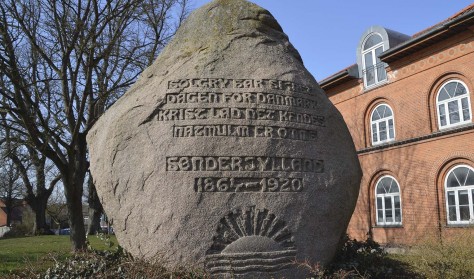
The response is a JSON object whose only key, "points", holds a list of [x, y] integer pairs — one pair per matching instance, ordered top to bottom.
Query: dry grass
{"points": [[451, 258]]}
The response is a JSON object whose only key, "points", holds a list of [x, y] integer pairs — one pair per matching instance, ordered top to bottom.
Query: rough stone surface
{"points": [[226, 154]]}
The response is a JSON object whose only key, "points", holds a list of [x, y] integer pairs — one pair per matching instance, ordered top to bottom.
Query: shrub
{"points": [[19, 230], [449, 258], [361, 259], [114, 264]]}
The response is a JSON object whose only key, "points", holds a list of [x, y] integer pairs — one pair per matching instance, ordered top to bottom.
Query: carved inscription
{"points": [[221, 83], [176, 96], [259, 98], [261, 108], [239, 113], [244, 131], [243, 163], [246, 184]]}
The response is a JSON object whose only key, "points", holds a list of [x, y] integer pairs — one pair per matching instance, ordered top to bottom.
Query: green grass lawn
{"points": [[39, 252]]}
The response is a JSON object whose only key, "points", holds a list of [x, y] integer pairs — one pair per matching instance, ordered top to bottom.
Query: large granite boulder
{"points": [[226, 154]]}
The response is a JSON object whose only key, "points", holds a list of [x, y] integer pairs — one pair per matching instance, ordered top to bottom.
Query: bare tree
{"points": [[63, 62], [33, 170]]}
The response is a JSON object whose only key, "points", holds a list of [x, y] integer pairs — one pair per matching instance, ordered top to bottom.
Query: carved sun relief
{"points": [[251, 240]]}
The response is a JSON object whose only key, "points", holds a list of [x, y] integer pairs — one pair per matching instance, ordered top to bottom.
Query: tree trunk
{"points": [[73, 182], [39, 208], [8, 209], [95, 209], [76, 222]]}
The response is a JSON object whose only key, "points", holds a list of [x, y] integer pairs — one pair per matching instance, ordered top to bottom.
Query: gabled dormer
{"points": [[373, 42]]}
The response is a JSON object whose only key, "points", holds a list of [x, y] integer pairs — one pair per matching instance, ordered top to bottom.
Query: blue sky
{"points": [[326, 33]]}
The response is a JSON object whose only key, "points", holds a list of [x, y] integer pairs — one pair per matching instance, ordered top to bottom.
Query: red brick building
{"points": [[408, 103], [17, 208], [3, 214]]}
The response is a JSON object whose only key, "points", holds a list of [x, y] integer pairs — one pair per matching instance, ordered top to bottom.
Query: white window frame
{"points": [[374, 60], [445, 104], [377, 123], [456, 190], [392, 198]]}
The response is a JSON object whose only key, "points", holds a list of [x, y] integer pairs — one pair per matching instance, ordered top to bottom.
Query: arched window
{"points": [[373, 68], [454, 106], [381, 123], [459, 187], [388, 202]]}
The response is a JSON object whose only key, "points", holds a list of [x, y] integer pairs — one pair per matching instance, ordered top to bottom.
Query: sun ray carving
{"points": [[251, 240]]}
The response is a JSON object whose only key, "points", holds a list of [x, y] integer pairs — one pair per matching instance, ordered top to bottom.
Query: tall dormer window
{"points": [[373, 69]]}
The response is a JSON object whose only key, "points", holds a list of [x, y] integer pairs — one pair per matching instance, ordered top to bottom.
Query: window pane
{"points": [[372, 41], [378, 51], [369, 62], [369, 69], [381, 73], [369, 76], [450, 88], [460, 89], [443, 95], [465, 109], [381, 110], [442, 110], [453, 112], [375, 115], [442, 115], [443, 120], [383, 130], [374, 132], [391, 133], [461, 175], [470, 179], [452, 181], [385, 182], [394, 187], [451, 198], [463, 198], [472, 198], [397, 202], [379, 203], [388, 203], [452, 213], [464, 213], [398, 215], [380, 216], [388, 216]]}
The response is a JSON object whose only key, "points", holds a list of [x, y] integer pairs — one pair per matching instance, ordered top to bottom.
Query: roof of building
{"points": [[466, 10], [431, 35], [416, 42], [345, 74]]}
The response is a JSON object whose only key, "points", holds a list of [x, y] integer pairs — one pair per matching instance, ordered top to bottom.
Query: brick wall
{"points": [[421, 155], [3, 215]]}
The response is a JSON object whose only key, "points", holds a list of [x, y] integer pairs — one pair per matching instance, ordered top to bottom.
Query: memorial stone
{"points": [[226, 154]]}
